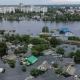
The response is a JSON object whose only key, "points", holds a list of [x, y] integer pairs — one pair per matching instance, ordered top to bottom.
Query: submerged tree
{"points": [[45, 29], [3, 49], [60, 50]]}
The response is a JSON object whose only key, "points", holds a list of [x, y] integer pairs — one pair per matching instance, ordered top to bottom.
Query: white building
{"points": [[23, 8], [7, 9], [34, 9], [69, 34]]}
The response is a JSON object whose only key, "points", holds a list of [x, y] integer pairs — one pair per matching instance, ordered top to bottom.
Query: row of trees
{"points": [[64, 17], [17, 38], [74, 38]]}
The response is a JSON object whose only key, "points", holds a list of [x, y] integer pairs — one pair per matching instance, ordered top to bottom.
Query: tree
{"points": [[45, 29], [2, 32], [44, 36], [26, 38], [37, 41], [54, 42], [3, 49], [21, 50], [37, 50], [60, 50], [34, 52], [71, 54], [77, 57], [11, 63], [55, 65], [24, 68], [58, 71], [36, 72]]}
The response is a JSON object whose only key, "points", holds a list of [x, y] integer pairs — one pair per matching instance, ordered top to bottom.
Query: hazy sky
{"points": [[14, 2]]}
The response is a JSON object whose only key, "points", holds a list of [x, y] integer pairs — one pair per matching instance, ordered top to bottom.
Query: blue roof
{"points": [[64, 29]]}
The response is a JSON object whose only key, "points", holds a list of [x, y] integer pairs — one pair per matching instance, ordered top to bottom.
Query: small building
{"points": [[64, 30], [69, 34], [30, 60], [44, 66], [68, 70]]}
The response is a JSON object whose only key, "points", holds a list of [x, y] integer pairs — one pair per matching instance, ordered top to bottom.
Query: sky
{"points": [[32, 2]]}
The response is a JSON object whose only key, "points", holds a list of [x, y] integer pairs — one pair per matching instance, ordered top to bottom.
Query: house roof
{"points": [[64, 29], [68, 34], [32, 59], [44, 66], [68, 68]]}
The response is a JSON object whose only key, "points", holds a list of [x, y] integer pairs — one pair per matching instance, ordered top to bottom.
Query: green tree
{"points": [[45, 29], [2, 32], [26, 38], [37, 41], [54, 42], [3, 49], [37, 50], [60, 50], [34, 52], [71, 54], [77, 57], [12, 63], [55, 65], [24, 68], [58, 71], [36, 72]]}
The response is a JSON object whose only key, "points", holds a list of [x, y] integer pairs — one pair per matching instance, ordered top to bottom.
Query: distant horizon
{"points": [[39, 2]]}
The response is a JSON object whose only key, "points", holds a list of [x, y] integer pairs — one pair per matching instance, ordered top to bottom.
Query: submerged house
{"points": [[63, 30], [69, 34], [30, 60], [44, 66], [68, 69]]}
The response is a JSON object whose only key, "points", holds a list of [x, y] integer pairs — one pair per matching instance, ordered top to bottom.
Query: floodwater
{"points": [[35, 27]]}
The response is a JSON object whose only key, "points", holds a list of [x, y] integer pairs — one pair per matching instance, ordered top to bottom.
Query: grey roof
{"points": [[44, 66], [69, 69]]}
